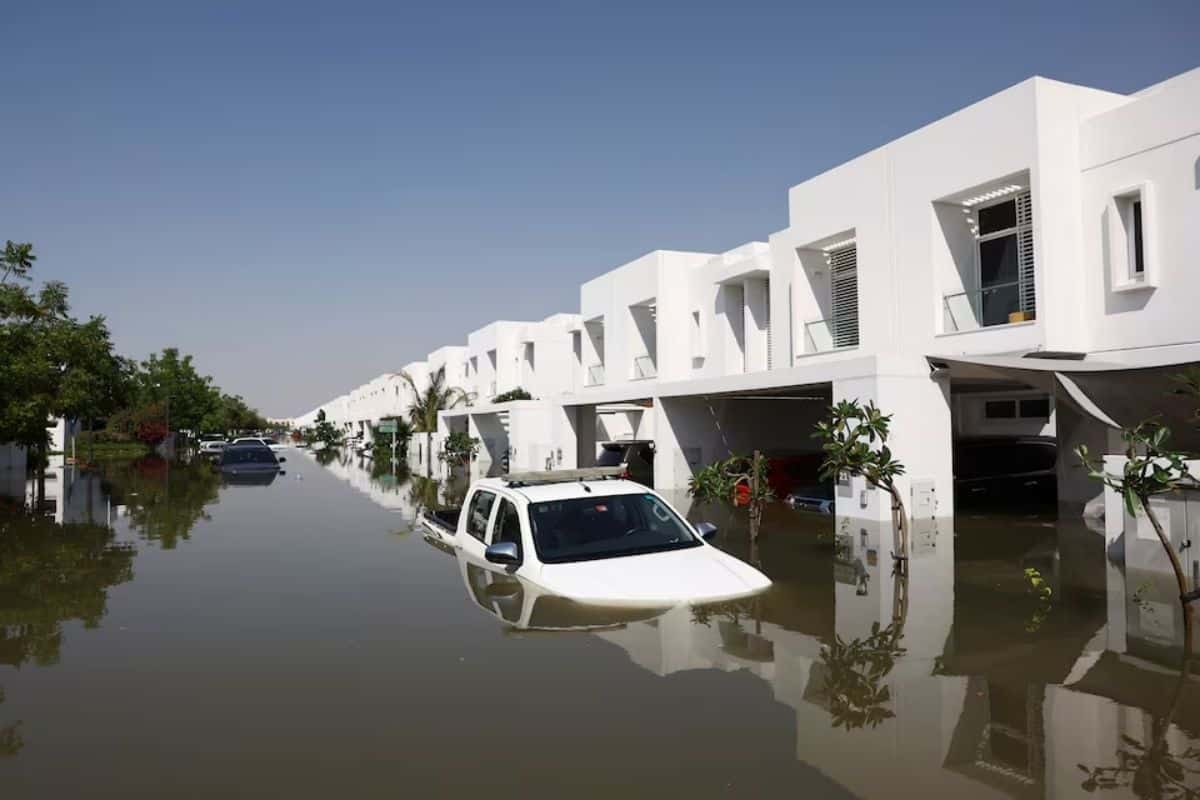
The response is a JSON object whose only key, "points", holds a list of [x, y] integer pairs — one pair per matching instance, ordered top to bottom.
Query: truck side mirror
{"points": [[706, 530], [503, 553]]}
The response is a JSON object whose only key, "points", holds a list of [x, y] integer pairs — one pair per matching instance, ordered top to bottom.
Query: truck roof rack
{"points": [[564, 475]]}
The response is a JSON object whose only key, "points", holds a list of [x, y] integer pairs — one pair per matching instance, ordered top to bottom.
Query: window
{"points": [[1130, 238], [1139, 254], [1005, 261], [1023, 408], [1035, 408], [999, 409], [478, 513], [507, 527], [586, 528]]}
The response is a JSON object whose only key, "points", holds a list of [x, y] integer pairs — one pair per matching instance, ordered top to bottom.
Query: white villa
{"points": [[1024, 266]]}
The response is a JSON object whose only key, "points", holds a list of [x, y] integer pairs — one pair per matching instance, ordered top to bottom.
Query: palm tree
{"points": [[426, 405]]}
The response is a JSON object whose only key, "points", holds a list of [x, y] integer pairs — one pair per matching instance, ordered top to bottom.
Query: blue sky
{"points": [[304, 196]]}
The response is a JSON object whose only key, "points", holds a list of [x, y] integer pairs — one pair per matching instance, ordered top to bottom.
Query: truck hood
{"points": [[695, 575]]}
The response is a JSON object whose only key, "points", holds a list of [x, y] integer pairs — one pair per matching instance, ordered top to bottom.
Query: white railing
{"points": [[999, 304], [644, 368], [595, 375]]}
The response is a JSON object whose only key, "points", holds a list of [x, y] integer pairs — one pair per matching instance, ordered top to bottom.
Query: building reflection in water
{"points": [[962, 680]]}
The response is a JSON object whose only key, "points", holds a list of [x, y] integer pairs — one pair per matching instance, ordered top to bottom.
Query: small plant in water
{"points": [[1040, 588]]}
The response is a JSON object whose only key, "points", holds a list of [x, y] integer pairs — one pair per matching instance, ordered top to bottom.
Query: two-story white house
{"points": [[1019, 268]]}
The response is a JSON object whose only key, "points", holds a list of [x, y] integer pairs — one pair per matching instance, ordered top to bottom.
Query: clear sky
{"points": [[306, 195]]}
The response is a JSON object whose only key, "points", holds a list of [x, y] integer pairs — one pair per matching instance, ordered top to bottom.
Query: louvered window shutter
{"points": [[1025, 270], [843, 273]]}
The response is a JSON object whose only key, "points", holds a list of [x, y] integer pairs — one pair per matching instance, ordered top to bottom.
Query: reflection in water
{"points": [[163, 500], [50, 574], [965, 677], [960, 680]]}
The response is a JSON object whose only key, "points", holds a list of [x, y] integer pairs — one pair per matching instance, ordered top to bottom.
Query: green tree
{"points": [[16, 261], [51, 365], [436, 397], [855, 443], [459, 448], [381, 450], [737, 479]]}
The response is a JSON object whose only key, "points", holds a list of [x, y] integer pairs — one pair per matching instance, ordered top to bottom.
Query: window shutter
{"points": [[1025, 270], [843, 275]]}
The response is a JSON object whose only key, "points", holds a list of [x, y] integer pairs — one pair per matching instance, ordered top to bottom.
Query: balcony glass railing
{"points": [[999, 304], [818, 336], [644, 368], [595, 375], [492, 389]]}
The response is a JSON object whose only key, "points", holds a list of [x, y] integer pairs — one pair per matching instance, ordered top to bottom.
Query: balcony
{"points": [[999, 304], [644, 368], [595, 375]]}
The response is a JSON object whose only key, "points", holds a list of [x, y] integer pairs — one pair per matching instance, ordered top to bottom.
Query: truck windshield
{"points": [[586, 528]]}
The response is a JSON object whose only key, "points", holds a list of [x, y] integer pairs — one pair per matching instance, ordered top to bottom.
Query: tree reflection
{"points": [[164, 500], [51, 574], [855, 669], [10, 735], [1150, 770]]}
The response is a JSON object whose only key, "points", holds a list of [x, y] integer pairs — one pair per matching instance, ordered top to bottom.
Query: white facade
{"points": [[1048, 219]]}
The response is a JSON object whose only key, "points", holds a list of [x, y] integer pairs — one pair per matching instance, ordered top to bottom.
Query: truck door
{"points": [[476, 524]]}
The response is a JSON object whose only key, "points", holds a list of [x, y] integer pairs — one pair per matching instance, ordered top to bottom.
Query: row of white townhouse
{"points": [[1027, 266]]}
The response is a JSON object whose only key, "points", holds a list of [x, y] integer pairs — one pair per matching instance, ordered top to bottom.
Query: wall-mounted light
{"points": [[992, 195], [838, 245]]}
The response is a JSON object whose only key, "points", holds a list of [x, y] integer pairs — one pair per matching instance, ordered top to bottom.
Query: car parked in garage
{"points": [[637, 455], [1014, 470]]}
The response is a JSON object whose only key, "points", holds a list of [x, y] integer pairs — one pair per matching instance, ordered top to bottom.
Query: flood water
{"points": [[163, 634]]}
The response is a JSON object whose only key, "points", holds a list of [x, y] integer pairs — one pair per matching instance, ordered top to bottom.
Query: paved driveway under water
{"points": [[299, 639]]}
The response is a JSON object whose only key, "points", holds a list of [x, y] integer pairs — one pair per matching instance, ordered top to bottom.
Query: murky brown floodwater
{"points": [[164, 635]]}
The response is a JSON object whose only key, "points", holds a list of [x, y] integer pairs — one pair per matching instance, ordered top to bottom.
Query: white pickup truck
{"points": [[581, 535]]}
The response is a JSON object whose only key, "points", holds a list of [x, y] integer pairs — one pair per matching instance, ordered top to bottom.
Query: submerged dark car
{"points": [[637, 456], [242, 459], [1015, 471]]}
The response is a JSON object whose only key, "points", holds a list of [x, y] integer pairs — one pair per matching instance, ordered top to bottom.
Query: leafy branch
{"points": [[855, 444]]}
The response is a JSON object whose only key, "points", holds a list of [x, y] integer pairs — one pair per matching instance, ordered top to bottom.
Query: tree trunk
{"points": [[756, 505], [899, 520], [1180, 576]]}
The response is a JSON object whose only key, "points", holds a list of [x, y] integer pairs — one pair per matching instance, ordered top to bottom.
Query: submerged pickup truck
{"points": [[586, 536]]}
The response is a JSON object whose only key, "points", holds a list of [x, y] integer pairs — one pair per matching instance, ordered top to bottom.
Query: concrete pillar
{"points": [[920, 437], [674, 438]]}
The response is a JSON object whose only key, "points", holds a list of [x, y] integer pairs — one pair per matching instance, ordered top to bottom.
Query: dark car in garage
{"points": [[638, 456], [1012, 470]]}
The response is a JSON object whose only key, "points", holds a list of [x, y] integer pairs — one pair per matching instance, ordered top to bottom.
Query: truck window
{"points": [[478, 513], [507, 527]]}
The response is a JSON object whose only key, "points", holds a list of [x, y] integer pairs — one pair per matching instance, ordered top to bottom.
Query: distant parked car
{"points": [[265, 441], [212, 445], [638, 456], [238, 459], [1009, 469], [812, 498]]}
